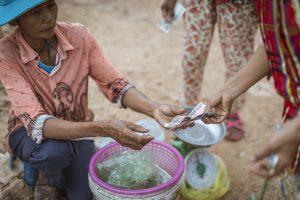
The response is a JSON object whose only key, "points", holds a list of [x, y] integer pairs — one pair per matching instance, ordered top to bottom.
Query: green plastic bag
{"points": [[132, 170]]}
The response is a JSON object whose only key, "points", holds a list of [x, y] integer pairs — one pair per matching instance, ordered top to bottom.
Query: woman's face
{"points": [[39, 23]]}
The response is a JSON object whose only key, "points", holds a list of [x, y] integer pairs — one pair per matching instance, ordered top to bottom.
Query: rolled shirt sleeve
{"points": [[109, 81], [122, 93], [25, 104], [37, 130]]}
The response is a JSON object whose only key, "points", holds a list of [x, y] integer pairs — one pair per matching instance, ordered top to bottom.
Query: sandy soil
{"points": [[128, 35]]}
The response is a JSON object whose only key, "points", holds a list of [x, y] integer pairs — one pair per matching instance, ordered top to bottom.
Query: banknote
{"points": [[198, 110], [176, 121]]}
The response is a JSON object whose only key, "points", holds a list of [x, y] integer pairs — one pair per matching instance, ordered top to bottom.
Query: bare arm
{"points": [[167, 9], [255, 70], [138, 102], [221, 102], [66, 130], [119, 130], [122, 131], [285, 145]]}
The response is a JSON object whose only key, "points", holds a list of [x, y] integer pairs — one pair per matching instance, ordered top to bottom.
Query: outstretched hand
{"points": [[167, 9], [220, 104], [164, 114], [127, 134], [283, 144]]}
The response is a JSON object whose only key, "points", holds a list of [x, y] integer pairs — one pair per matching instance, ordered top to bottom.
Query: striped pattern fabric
{"points": [[281, 35]]}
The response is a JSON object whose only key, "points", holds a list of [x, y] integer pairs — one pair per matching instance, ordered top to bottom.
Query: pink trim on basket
{"points": [[153, 190]]}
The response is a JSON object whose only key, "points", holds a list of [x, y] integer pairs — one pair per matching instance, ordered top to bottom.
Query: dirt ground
{"points": [[127, 33]]}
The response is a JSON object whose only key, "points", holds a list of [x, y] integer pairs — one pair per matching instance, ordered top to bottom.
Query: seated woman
{"points": [[45, 67]]}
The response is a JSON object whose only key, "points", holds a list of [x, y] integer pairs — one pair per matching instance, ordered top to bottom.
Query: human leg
{"points": [[199, 21], [237, 28], [54, 158], [76, 175]]}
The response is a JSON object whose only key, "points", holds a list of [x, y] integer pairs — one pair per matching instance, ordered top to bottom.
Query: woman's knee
{"points": [[53, 155]]}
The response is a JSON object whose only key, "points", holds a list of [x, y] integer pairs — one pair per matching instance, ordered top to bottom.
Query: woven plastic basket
{"points": [[164, 155]]}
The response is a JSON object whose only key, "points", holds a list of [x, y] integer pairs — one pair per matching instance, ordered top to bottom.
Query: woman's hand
{"points": [[167, 9], [251, 73], [220, 104], [164, 114], [126, 133], [284, 144]]}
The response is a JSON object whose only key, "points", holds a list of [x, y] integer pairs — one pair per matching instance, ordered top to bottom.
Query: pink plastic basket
{"points": [[165, 156]]}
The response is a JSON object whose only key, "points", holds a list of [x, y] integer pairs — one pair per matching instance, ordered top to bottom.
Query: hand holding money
{"points": [[167, 9], [172, 11], [181, 122]]}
